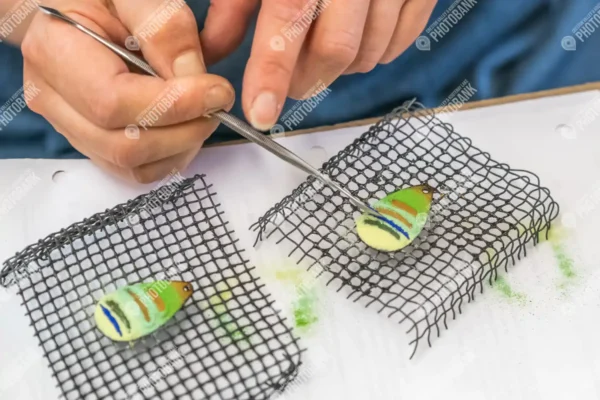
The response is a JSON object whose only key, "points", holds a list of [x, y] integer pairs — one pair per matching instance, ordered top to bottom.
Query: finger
{"points": [[97, 14], [413, 20], [381, 22], [225, 27], [167, 34], [332, 46], [274, 54], [100, 86], [47, 99], [119, 147], [87, 150], [154, 171], [146, 173]]}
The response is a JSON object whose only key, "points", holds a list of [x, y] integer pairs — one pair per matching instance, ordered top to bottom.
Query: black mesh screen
{"points": [[486, 218], [227, 342]]}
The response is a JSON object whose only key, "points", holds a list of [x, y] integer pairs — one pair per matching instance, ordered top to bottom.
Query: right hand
{"points": [[89, 95]]}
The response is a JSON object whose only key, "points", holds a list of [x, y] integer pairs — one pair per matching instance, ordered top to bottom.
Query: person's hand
{"points": [[291, 57], [136, 126]]}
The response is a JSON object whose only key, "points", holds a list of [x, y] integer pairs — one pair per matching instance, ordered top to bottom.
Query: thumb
{"points": [[225, 26], [167, 35]]}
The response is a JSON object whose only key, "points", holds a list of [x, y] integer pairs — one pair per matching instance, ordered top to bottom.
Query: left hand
{"points": [[346, 37]]}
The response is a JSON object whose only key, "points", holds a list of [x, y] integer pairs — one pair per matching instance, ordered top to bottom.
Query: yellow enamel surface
{"points": [[378, 239], [223, 295], [140, 309], [104, 324], [107, 328]]}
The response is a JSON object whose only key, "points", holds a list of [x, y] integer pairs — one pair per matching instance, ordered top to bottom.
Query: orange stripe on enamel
{"points": [[405, 207], [395, 215], [160, 304], [141, 305]]}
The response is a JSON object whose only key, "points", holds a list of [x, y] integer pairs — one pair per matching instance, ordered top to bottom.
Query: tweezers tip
{"points": [[46, 10]]}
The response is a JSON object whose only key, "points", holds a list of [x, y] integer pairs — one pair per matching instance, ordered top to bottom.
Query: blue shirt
{"points": [[499, 47]]}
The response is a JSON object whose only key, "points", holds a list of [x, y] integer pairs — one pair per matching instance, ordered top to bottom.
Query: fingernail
{"points": [[190, 63], [218, 97], [264, 111]]}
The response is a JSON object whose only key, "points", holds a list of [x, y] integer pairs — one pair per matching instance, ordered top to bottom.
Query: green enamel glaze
{"points": [[411, 196], [405, 210], [403, 213], [382, 225], [556, 237], [491, 252], [566, 265], [290, 274], [503, 287], [168, 294], [304, 307], [115, 308], [219, 308], [138, 309], [305, 310], [226, 321]]}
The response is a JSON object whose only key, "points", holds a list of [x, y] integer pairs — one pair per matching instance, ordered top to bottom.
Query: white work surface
{"points": [[501, 347]]}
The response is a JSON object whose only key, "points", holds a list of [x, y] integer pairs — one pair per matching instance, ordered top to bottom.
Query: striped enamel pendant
{"points": [[404, 213], [134, 311]]}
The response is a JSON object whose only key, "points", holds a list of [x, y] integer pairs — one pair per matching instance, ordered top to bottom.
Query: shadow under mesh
{"points": [[488, 215], [227, 342]]}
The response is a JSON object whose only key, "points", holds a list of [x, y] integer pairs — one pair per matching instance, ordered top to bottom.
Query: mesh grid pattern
{"points": [[485, 220], [238, 349]]}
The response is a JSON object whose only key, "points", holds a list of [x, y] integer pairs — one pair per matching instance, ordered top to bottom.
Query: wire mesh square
{"points": [[487, 215], [227, 342]]}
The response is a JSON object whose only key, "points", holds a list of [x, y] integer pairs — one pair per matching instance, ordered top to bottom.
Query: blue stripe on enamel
{"points": [[396, 227], [111, 319]]}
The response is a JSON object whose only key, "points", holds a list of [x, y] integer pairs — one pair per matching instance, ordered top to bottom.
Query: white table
{"points": [[497, 349]]}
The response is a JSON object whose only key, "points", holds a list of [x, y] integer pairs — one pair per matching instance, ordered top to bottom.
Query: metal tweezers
{"points": [[227, 119]]}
